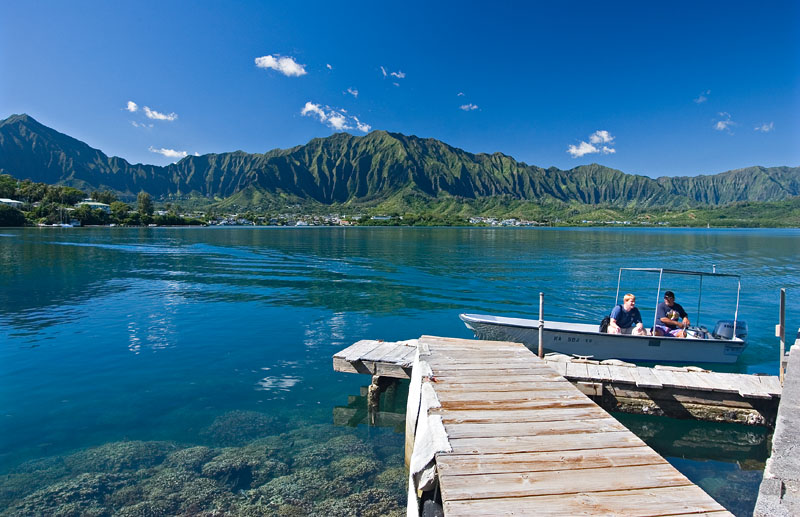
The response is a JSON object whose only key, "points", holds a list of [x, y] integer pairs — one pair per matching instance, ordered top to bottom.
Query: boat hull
{"points": [[586, 340]]}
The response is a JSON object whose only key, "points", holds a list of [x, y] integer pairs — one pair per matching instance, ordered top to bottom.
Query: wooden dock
{"points": [[677, 392], [518, 438], [779, 494]]}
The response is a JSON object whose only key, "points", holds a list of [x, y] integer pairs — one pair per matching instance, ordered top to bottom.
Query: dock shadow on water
{"points": [[725, 460], [245, 463]]}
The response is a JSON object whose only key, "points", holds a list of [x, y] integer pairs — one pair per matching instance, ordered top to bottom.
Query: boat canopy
{"points": [[663, 271]]}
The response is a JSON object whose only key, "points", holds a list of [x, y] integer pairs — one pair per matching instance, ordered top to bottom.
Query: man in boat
{"points": [[625, 318], [671, 319]]}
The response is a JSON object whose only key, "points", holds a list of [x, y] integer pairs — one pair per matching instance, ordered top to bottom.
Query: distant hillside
{"points": [[380, 167]]}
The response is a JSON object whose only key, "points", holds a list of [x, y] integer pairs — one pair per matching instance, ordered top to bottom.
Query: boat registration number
{"points": [[570, 339]]}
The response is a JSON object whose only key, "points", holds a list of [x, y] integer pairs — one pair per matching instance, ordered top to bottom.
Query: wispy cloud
{"points": [[285, 65], [399, 74], [353, 92], [460, 94], [703, 97], [132, 107], [468, 107], [155, 115], [335, 118], [724, 123], [140, 125], [766, 127], [596, 138], [169, 153]]}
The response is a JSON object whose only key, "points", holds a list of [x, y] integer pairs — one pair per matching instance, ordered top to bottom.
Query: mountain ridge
{"points": [[379, 166]]}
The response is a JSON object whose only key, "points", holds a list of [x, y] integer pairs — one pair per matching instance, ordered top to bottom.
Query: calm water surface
{"points": [[181, 371]]}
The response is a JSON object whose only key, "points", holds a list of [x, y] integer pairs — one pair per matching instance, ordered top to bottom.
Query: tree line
{"points": [[54, 204]]}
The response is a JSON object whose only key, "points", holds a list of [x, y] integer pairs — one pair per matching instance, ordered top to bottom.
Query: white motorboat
{"points": [[724, 345]]}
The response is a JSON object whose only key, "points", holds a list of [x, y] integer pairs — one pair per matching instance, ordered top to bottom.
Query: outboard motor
{"points": [[724, 330]]}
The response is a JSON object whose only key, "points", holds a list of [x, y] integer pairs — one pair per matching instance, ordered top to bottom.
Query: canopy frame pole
{"points": [[619, 280], [658, 297], [699, 299], [736, 313]]}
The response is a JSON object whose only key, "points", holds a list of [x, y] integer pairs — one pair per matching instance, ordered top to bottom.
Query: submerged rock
{"points": [[240, 427], [119, 456], [191, 458], [83, 495]]}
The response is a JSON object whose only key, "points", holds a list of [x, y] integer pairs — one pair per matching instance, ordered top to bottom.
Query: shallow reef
{"points": [[311, 470]]}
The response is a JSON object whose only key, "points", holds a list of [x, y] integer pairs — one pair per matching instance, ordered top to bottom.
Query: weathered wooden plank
{"points": [[358, 349], [377, 353], [397, 353], [559, 366], [577, 371], [496, 373], [622, 374], [645, 378], [667, 378], [491, 380], [722, 382], [446, 384], [771, 384], [750, 387], [553, 394], [458, 405], [583, 412], [490, 430], [569, 442], [469, 464], [557, 482], [682, 500]]}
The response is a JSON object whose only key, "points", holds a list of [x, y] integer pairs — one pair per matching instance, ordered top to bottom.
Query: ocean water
{"points": [[188, 371]]}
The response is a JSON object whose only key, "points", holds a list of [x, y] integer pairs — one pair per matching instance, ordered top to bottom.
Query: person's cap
{"points": [[669, 294]]}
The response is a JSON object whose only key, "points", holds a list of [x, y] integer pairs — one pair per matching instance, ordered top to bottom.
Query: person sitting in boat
{"points": [[625, 318], [671, 319]]}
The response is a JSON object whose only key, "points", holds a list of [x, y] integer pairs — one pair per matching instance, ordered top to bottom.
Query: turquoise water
{"points": [[176, 371]]}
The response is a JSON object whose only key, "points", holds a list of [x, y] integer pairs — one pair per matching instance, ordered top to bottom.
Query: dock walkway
{"points": [[679, 392], [522, 440]]}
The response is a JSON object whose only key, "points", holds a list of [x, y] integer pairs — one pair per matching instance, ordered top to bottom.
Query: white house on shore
{"points": [[11, 202], [95, 205]]}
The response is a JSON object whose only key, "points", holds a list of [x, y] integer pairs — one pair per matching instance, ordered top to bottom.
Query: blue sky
{"points": [[674, 88]]}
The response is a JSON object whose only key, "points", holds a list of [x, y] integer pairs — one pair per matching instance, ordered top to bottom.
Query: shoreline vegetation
{"points": [[40, 204]]}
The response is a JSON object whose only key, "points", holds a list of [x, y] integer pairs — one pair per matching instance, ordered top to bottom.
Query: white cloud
{"points": [[285, 65], [329, 66], [383, 70], [399, 74], [396, 84], [353, 92], [460, 94], [703, 97], [132, 106], [468, 107], [155, 115], [335, 118], [725, 123], [140, 125], [361, 126], [765, 127], [598, 137], [601, 137], [581, 149], [169, 153]]}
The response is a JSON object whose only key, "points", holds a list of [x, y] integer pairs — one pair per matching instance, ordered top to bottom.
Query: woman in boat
{"points": [[625, 318]]}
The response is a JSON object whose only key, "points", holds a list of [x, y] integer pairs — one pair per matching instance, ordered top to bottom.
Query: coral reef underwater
{"points": [[247, 466]]}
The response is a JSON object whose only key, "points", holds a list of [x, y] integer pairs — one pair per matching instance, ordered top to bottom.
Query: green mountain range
{"points": [[378, 169]]}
